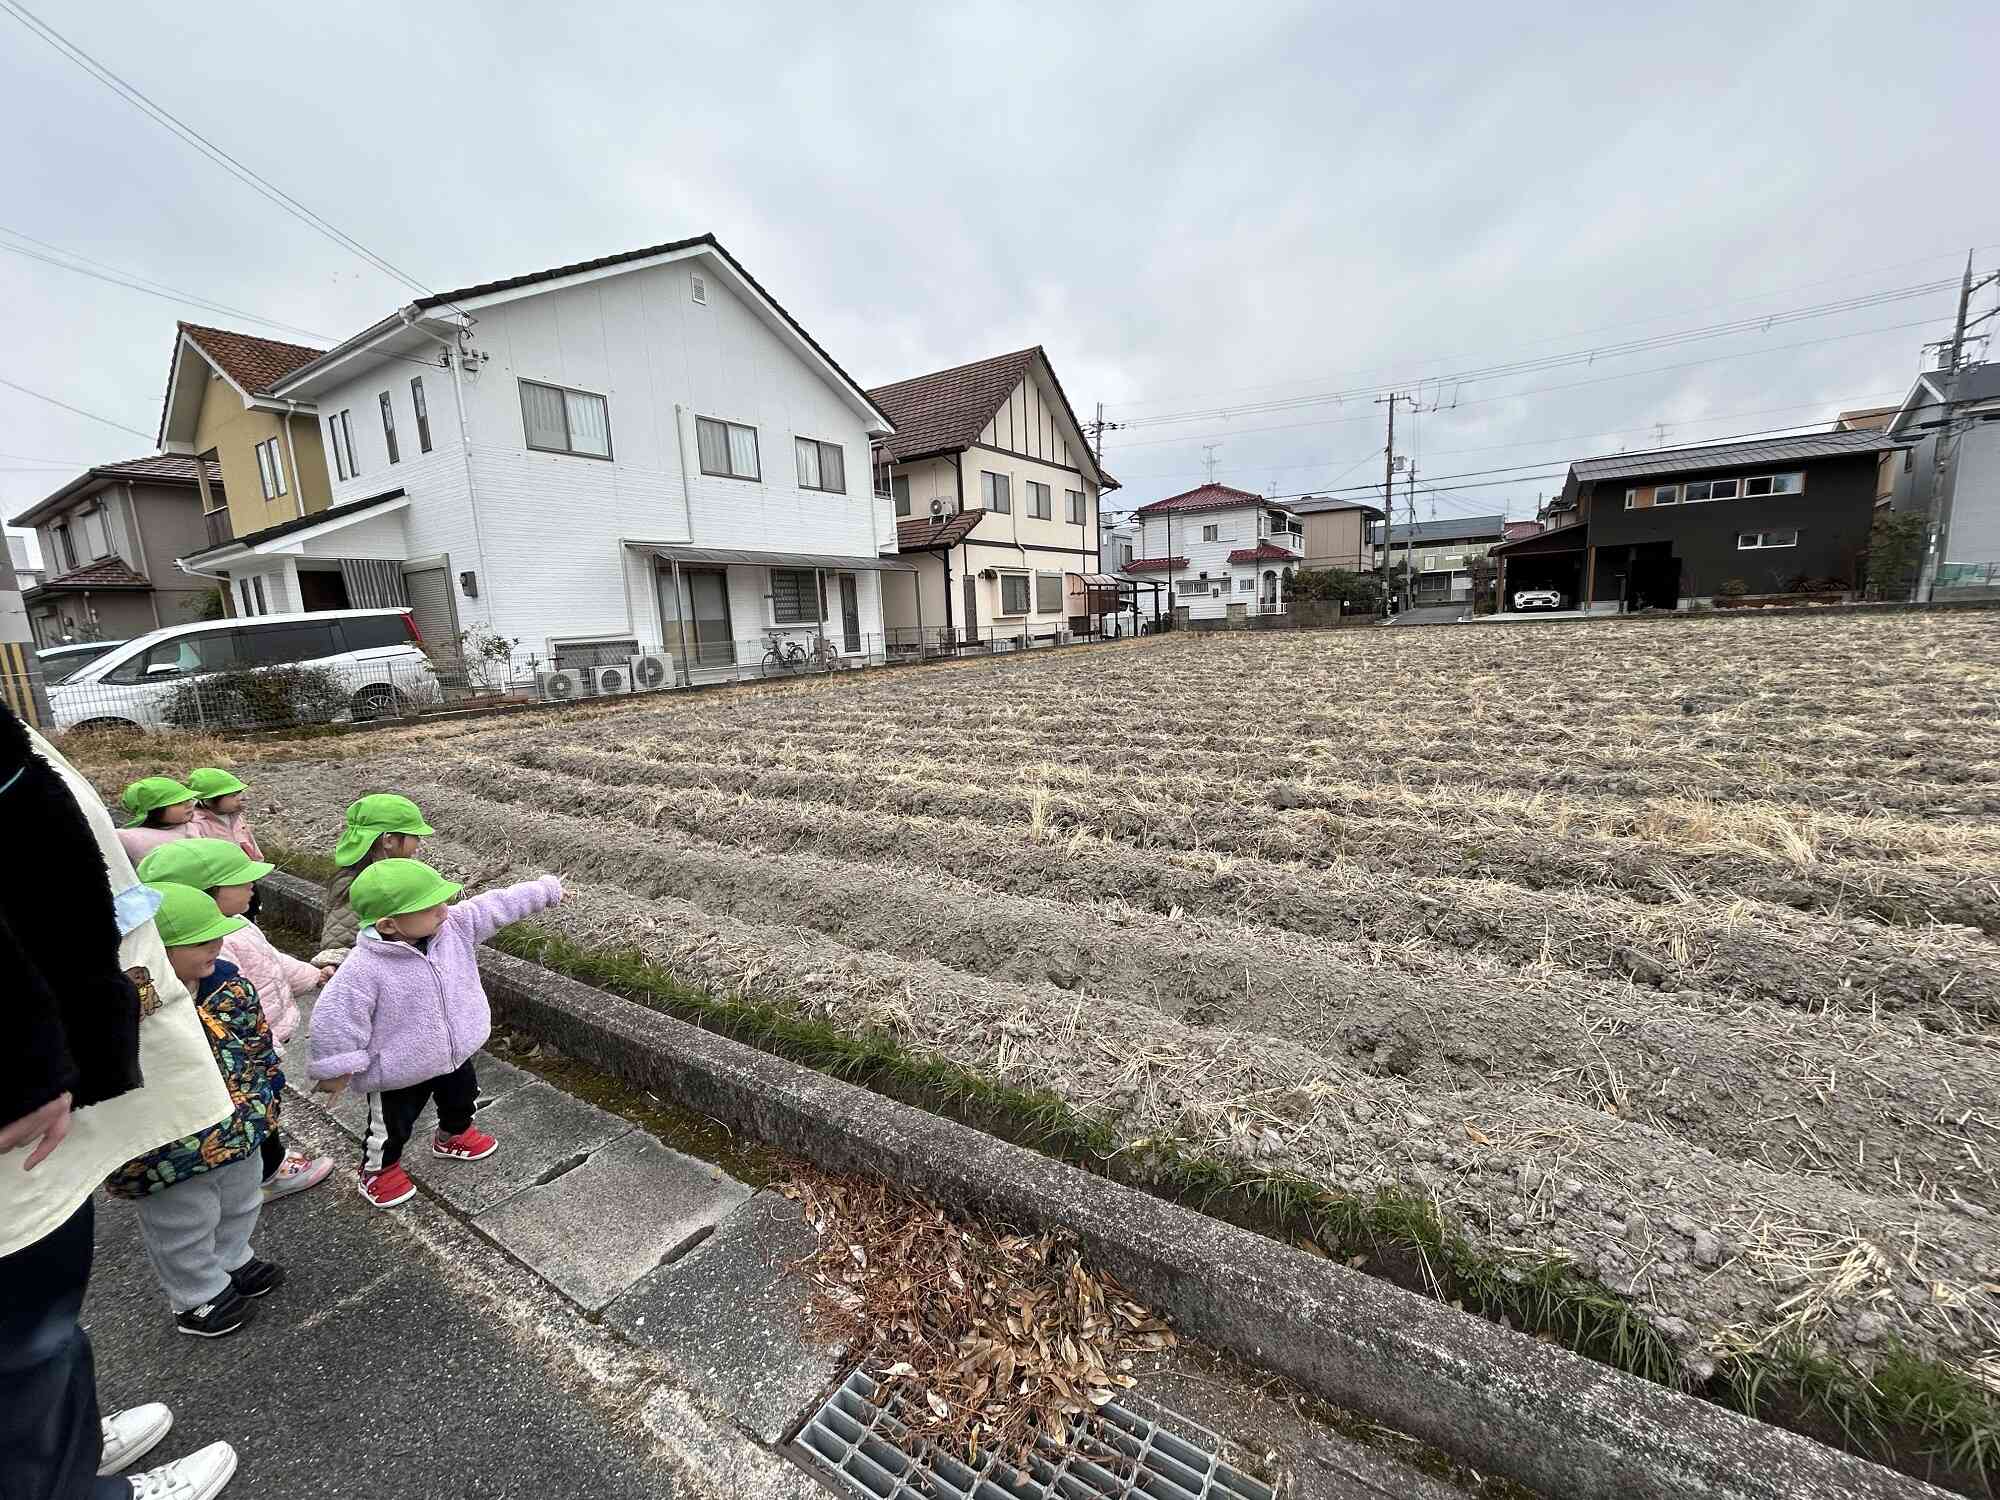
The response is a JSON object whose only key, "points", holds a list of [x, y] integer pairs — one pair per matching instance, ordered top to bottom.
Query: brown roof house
{"points": [[219, 407], [993, 479], [109, 540]]}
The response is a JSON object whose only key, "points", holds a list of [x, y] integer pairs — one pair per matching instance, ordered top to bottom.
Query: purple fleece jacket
{"points": [[393, 1017]]}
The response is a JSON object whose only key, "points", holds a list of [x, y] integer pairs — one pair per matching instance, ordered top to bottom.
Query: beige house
{"points": [[268, 450], [993, 479], [1337, 533]]}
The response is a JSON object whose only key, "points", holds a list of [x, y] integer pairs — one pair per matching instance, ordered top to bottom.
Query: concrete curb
{"points": [[1500, 1401]]}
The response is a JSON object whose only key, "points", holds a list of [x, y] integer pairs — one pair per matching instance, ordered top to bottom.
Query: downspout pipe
{"points": [[450, 347], [292, 452]]}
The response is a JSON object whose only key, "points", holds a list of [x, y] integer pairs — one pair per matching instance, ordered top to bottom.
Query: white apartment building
{"points": [[641, 452]]}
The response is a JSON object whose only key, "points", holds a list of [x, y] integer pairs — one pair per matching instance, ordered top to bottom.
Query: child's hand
{"points": [[326, 972], [333, 1088]]}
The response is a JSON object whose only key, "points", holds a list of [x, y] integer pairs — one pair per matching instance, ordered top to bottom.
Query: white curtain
{"points": [[542, 408], [589, 425], [713, 440], [743, 452], [808, 463], [834, 464]]}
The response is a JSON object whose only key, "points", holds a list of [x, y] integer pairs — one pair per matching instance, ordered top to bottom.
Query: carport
{"points": [[1546, 560]]}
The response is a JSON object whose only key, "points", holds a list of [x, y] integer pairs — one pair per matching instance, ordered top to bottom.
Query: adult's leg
{"points": [[457, 1093], [239, 1194], [178, 1226], [50, 1435]]}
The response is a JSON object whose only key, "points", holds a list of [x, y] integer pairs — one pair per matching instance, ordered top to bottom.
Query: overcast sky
{"points": [[1193, 209]]}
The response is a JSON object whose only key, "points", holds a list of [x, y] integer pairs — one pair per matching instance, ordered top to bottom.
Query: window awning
{"points": [[733, 557]]}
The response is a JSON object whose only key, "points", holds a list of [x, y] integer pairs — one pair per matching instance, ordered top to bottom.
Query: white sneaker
{"points": [[131, 1434], [199, 1476]]}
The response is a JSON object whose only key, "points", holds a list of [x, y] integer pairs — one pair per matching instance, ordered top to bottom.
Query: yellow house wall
{"points": [[233, 432]]}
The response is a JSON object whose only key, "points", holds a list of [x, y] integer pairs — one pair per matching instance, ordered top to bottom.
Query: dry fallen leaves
{"points": [[993, 1342]]}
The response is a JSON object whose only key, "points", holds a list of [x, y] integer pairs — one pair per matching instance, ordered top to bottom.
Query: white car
{"points": [[1531, 599], [374, 661], [60, 663]]}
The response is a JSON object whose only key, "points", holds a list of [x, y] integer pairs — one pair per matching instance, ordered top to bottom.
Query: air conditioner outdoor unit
{"points": [[651, 672], [607, 682], [563, 687]]}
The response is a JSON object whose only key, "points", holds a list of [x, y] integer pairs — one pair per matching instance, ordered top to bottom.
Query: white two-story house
{"points": [[643, 452], [995, 493], [1221, 553]]}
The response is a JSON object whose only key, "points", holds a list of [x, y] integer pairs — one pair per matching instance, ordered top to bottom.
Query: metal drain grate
{"points": [[867, 1453]]}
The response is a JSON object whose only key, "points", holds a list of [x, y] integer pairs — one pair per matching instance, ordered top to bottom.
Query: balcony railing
{"points": [[219, 529]]}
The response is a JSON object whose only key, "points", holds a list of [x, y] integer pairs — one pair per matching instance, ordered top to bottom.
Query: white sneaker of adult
{"points": [[131, 1434], [199, 1476]]}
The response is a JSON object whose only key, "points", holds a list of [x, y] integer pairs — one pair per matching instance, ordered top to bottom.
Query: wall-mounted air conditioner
{"points": [[651, 672], [563, 687]]}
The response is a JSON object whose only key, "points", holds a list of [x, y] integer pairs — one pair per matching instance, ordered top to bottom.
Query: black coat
{"points": [[72, 1016]]}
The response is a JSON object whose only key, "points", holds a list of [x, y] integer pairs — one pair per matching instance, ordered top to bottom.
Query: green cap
{"points": [[208, 783], [149, 792], [371, 817], [201, 863], [392, 887], [188, 917]]}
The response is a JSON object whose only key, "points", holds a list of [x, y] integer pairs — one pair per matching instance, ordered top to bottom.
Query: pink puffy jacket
{"points": [[233, 828], [142, 841], [278, 976]]}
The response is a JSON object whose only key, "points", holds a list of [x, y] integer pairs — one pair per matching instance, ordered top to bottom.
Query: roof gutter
{"points": [[401, 318]]}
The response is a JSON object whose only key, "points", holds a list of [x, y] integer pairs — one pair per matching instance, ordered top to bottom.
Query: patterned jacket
{"points": [[241, 1041]]}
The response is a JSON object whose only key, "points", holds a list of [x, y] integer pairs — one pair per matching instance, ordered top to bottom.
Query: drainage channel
{"points": [[856, 1442]]}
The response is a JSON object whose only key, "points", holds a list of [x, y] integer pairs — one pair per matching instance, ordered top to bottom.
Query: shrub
{"points": [[1895, 545], [1732, 588], [1358, 593], [262, 698]]}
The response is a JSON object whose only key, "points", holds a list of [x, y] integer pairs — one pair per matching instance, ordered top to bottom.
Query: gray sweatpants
{"points": [[198, 1231]]}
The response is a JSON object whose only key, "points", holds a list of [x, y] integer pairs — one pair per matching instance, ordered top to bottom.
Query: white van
{"points": [[375, 660]]}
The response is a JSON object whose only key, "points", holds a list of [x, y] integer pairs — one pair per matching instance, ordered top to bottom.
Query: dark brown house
{"points": [[1677, 526], [110, 539]]}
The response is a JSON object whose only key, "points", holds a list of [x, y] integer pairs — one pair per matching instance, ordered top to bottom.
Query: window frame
{"points": [[420, 404], [569, 427], [389, 428], [340, 433], [821, 447], [728, 451], [270, 471], [1001, 490], [899, 491], [1666, 494], [1041, 501], [1076, 509], [96, 512], [1211, 531], [60, 533], [1744, 542], [1026, 581], [1042, 581], [803, 592]]}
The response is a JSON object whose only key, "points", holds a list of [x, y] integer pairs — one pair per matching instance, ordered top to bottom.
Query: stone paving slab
{"points": [[541, 1130], [596, 1230], [729, 1319]]}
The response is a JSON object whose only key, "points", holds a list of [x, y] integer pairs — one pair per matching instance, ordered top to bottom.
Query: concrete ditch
{"points": [[1498, 1400]]}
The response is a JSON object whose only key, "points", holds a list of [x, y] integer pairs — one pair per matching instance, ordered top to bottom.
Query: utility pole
{"points": [[1958, 329], [1097, 430], [1941, 445], [1389, 483], [1410, 538]]}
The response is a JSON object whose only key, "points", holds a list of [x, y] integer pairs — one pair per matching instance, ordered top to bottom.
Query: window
{"points": [[423, 412], [558, 420], [389, 428], [340, 435], [728, 449], [879, 462], [822, 466], [270, 470], [901, 484], [1774, 484], [1709, 489], [995, 493], [1667, 494], [1075, 499], [1633, 502], [1039, 504], [1211, 533], [96, 536], [1752, 541], [64, 548], [1125, 555], [257, 585], [1246, 585], [1013, 593], [1048, 593], [792, 596], [373, 632], [276, 645], [182, 656]]}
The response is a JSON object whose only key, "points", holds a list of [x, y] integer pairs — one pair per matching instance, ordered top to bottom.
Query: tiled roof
{"points": [[254, 364], [947, 410], [1734, 455], [160, 468], [1206, 497], [1313, 505], [1463, 528], [1515, 530], [923, 535], [1263, 552], [1153, 564], [105, 573]]}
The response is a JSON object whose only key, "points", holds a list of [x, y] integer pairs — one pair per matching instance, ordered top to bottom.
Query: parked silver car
{"points": [[1533, 599]]}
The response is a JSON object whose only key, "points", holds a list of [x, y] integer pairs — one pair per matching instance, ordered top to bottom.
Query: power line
{"points": [[187, 133], [150, 288], [1571, 357], [107, 421]]}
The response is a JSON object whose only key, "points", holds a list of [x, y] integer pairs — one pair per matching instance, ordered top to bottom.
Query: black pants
{"points": [[393, 1114], [274, 1152], [50, 1437]]}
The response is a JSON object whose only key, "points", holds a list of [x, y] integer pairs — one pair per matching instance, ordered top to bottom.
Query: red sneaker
{"points": [[470, 1144], [388, 1187]]}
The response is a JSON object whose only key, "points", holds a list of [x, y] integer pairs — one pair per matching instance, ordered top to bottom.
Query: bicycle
{"points": [[787, 656]]}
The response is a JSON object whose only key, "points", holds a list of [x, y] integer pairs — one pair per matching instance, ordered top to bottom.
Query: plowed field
{"points": [[1668, 948]]}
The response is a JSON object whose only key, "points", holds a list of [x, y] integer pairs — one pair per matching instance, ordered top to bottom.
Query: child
{"points": [[160, 807], [219, 813], [381, 825], [221, 869], [405, 1013], [198, 1196]]}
